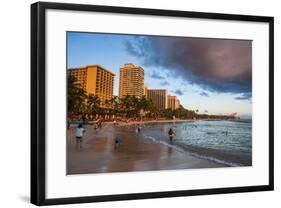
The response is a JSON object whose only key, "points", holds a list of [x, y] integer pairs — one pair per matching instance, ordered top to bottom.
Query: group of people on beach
{"points": [[80, 132], [117, 141]]}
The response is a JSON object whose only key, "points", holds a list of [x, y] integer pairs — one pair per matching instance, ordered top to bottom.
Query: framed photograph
{"points": [[134, 103]]}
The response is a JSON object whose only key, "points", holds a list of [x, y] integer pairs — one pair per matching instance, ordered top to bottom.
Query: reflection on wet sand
{"points": [[134, 153]]}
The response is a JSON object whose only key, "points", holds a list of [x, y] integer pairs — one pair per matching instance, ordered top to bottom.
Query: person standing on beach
{"points": [[100, 124], [96, 127], [138, 129], [79, 136], [117, 142]]}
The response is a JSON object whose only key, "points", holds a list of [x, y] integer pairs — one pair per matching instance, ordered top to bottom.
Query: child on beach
{"points": [[96, 127], [79, 136], [117, 142]]}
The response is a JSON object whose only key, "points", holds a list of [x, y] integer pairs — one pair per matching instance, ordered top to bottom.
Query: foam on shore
{"points": [[182, 150]]}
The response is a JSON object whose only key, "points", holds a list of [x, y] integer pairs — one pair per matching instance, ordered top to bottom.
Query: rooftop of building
{"points": [[95, 65], [131, 66], [157, 89]]}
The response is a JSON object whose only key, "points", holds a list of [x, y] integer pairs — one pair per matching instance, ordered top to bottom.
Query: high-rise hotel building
{"points": [[95, 79], [131, 81], [145, 89], [158, 98], [173, 102], [177, 104]]}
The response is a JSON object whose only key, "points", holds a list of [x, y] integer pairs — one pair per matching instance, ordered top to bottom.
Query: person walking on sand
{"points": [[100, 124], [96, 127], [138, 129], [171, 134], [79, 136], [117, 142]]}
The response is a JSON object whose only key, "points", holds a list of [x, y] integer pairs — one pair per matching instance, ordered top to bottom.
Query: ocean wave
{"points": [[243, 121], [165, 143], [181, 149], [231, 164]]}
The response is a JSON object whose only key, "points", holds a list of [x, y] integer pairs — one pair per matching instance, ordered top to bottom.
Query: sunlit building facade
{"points": [[96, 80], [131, 81], [145, 89], [158, 98], [173, 102], [177, 104]]}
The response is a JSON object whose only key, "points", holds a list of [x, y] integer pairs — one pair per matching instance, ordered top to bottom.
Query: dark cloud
{"points": [[137, 47], [214, 64], [155, 75], [178, 92], [204, 94], [244, 96], [205, 111]]}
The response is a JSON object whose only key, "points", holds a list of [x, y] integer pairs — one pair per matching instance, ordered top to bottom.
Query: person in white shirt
{"points": [[79, 136]]}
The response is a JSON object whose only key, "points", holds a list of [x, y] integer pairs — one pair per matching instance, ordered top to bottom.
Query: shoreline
{"points": [[122, 123], [127, 123], [135, 153]]}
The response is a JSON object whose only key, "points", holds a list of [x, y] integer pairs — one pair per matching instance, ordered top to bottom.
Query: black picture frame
{"points": [[38, 102]]}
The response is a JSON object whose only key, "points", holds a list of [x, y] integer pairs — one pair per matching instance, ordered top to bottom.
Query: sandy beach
{"points": [[135, 153]]}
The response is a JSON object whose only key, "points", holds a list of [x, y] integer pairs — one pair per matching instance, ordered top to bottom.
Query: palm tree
{"points": [[75, 96], [93, 103], [112, 103], [125, 103], [107, 104], [115, 104], [143, 104], [129, 105], [153, 112], [167, 113]]}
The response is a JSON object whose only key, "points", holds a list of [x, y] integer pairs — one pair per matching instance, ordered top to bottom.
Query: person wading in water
{"points": [[171, 134]]}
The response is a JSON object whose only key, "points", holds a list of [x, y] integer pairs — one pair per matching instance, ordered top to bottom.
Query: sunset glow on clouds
{"points": [[211, 75]]}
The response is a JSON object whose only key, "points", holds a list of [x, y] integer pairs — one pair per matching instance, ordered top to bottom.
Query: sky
{"points": [[213, 76]]}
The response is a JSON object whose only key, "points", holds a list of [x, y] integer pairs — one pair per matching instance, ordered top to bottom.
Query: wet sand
{"points": [[99, 155]]}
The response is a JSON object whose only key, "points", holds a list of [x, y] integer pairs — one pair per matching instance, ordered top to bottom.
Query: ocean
{"points": [[227, 142]]}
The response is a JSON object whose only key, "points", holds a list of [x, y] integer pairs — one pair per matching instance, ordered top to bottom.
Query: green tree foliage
{"points": [[75, 96], [78, 102], [92, 103]]}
